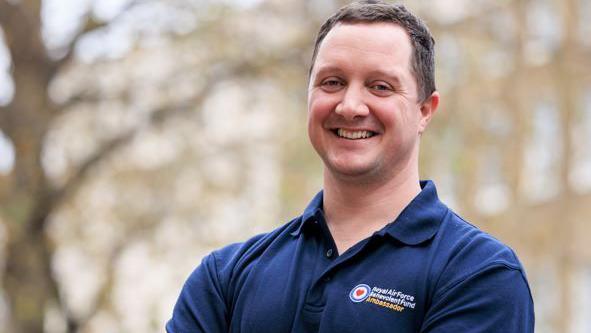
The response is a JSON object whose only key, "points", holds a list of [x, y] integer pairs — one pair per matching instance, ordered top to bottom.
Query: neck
{"points": [[355, 209]]}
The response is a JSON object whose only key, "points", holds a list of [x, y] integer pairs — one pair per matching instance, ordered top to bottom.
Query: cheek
{"points": [[320, 104], [387, 114], [400, 115]]}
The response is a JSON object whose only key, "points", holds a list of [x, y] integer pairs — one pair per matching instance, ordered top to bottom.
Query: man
{"points": [[375, 250]]}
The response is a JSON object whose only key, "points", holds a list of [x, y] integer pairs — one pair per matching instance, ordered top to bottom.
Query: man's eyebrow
{"points": [[328, 69], [391, 75]]}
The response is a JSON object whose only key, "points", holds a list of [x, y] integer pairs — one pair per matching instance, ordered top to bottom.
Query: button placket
{"points": [[329, 253]]}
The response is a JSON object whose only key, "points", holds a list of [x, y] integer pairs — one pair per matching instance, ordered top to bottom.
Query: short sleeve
{"points": [[494, 299], [200, 306]]}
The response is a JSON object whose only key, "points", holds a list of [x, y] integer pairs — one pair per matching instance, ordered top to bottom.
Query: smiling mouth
{"points": [[353, 135]]}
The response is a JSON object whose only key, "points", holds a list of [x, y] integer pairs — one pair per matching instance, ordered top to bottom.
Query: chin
{"points": [[352, 172]]}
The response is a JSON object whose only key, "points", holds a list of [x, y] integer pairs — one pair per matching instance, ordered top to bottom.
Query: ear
{"points": [[428, 108]]}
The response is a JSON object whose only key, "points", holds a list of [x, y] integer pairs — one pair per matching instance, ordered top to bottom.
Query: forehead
{"points": [[385, 44]]}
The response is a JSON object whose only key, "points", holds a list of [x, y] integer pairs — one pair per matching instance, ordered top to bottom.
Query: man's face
{"points": [[364, 116]]}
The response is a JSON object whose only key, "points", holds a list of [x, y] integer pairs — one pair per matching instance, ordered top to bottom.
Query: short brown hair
{"points": [[376, 11]]}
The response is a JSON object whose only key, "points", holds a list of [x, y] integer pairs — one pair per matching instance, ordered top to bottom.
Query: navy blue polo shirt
{"points": [[427, 271]]}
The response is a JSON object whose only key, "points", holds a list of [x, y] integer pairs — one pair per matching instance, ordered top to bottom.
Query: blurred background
{"points": [[138, 135]]}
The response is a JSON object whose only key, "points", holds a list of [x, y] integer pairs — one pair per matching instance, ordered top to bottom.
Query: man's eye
{"points": [[331, 83], [381, 87]]}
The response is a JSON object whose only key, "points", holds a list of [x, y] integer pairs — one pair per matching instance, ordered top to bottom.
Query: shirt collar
{"points": [[312, 211], [418, 222]]}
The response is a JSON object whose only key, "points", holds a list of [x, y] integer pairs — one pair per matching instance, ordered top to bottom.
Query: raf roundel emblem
{"points": [[359, 293]]}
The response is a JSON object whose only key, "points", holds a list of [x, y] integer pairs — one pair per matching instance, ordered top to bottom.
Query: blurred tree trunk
{"points": [[24, 194], [27, 198]]}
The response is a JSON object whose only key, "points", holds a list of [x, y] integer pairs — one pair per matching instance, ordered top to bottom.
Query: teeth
{"points": [[354, 135]]}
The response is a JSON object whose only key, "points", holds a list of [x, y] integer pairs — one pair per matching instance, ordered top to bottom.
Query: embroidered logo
{"points": [[359, 293], [391, 299]]}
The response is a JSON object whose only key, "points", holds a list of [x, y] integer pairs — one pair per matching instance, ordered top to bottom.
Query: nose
{"points": [[352, 105]]}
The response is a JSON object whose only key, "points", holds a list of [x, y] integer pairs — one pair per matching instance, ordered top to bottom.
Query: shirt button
{"points": [[329, 253]]}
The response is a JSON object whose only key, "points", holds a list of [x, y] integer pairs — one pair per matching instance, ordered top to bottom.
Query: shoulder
{"points": [[466, 244], [235, 253], [467, 253], [234, 260], [477, 273], [215, 281]]}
